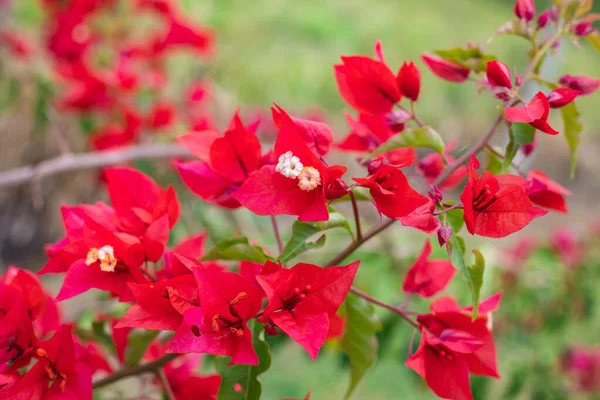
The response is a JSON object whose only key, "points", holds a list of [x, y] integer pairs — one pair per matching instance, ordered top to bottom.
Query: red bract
{"points": [[524, 9], [182, 35], [17, 44], [445, 69], [498, 74], [409, 80], [586, 84], [367, 85], [86, 90], [562, 96], [534, 113], [162, 115], [117, 134], [316, 135], [227, 162], [432, 165], [298, 185], [540, 189], [391, 192], [493, 208], [423, 219], [112, 260], [428, 277], [32, 292], [304, 298], [161, 305], [219, 326], [16, 329], [57, 373]]}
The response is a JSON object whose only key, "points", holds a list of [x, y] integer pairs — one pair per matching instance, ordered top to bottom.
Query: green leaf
{"points": [[584, 8], [594, 39], [470, 57], [9, 92], [573, 129], [520, 135], [420, 137], [494, 164], [454, 219], [301, 231], [236, 249], [472, 274], [476, 280], [359, 340], [137, 345], [244, 378]]}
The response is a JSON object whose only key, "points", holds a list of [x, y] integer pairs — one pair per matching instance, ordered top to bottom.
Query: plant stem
{"points": [[444, 211], [356, 215], [277, 234], [357, 243], [380, 303], [123, 373], [167, 390]]}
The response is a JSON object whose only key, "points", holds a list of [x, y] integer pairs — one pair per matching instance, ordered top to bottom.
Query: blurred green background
{"points": [[283, 51]]}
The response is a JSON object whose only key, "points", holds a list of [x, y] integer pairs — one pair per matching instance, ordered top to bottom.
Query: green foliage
{"points": [[470, 57], [572, 131], [520, 135], [419, 137], [454, 219], [302, 231], [237, 249], [472, 274], [359, 340], [138, 343], [240, 382]]}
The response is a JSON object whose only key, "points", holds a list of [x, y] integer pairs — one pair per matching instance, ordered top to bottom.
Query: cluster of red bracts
{"points": [[107, 87]]}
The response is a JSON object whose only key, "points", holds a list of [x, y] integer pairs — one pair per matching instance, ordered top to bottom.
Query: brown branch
{"points": [[77, 162], [356, 215], [280, 246], [152, 367], [167, 390]]}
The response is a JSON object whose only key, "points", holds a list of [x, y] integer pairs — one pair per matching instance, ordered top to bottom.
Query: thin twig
{"points": [[499, 155], [77, 162], [444, 211], [356, 215], [277, 234], [380, 303], [141, 369], [167, 390]]}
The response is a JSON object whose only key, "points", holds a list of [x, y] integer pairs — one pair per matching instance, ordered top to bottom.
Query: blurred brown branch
{"points": [[77, 162]]}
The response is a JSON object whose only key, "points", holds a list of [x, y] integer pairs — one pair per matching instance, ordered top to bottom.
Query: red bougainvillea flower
{"points": [[524, 9], [182, 35], [19, 45], [444, 69], [497, 74], [409, 80], [586, 84], [367, 85], [86, 89], [562, 96], [534, 113], [161, 116], [370, 131], [117, 134], [316, 134], [226, 162], [432, 165], [297, 185], [541, 190], [391, 192], [143, 208], [493, 208], [423, 219], [567, 246], [112, 260], [428, 277], [31, 289], [304, 298], [161, 305], [219, 326], [16, 329], [454, 345], [441, 362], [583, 366], [57, 374], [183, 378]]}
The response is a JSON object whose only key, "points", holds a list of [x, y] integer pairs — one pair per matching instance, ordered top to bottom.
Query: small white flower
{"points": [[289, 165], [309, 179]]}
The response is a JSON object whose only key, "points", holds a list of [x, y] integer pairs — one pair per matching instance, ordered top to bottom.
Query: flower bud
{"points": [[524, 9], [554, 13], [543, 19], [583, 28], [445, 69], [497, 74], [409, 80], [586, 84], [562, 96], [529, 148], [375, 164], [434, 194], [444, 235]]}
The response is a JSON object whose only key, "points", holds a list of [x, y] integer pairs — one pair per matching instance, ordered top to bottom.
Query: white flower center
{"points": [[289, 165], [309, 179], [105, 255]]}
